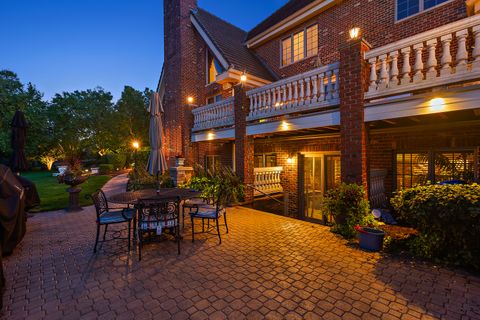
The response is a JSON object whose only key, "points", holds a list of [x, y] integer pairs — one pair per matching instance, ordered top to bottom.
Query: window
{"points": [[406, 8], [300, 45], [214, 68], [214, 99], [265, 160], [212, 163], [434, 166]]}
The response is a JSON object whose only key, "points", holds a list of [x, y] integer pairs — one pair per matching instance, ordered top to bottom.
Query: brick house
{"points": [[383, 93]]}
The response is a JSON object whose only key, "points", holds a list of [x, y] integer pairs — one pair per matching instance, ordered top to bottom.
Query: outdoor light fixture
{"points": [[354, 33], [243, 77], [190, 99], [437, 104], [285, 125], [210, 136], [135, 145], [290, 160]]}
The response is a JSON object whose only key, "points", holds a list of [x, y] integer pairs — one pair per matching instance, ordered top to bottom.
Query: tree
{"points": [[15, 95], [132, 119], [82, 120]]}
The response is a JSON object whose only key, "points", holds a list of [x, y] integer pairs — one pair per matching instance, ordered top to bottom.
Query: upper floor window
{"points": [[406, 8], [300, 45], [214, 68], [214, 99]]}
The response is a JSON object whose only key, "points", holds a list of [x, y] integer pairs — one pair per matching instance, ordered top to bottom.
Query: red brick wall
{"points": [[376, 20], [353, 82], [385, 143], [291, 148], [224, 149]]}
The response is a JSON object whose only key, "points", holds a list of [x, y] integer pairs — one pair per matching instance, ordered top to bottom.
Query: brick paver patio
{"points": [[267, 267]]}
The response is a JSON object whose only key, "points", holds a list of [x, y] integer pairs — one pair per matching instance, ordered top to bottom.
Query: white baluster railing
{"points": [[418, 57], [314, 89], [218, 114], [267, 180]]}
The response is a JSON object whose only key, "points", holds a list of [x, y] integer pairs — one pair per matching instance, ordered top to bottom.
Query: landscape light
{"points": [[135, 144]]}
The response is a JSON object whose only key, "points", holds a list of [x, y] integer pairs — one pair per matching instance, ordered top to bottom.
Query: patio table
{"points": [[132, 197]]}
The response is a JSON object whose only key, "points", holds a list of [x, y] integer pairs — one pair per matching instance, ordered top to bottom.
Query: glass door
{"points": [[320, 173], [313, 187]]}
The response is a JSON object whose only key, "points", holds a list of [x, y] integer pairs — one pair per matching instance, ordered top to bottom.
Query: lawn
{"points": [[53, 195]]}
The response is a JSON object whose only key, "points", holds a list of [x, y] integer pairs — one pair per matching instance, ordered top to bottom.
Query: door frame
{"points": [[301, 179]]}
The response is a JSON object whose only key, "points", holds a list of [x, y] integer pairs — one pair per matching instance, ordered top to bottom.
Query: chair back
{"points": [[100, 202], [155, 213]]}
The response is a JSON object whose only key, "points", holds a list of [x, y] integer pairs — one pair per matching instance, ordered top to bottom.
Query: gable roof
{"points": [[281, 14], [229, 41]]}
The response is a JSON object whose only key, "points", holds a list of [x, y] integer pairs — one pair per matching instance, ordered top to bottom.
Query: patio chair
{"points": [[209, 212], [106, 217], [157, 217]]}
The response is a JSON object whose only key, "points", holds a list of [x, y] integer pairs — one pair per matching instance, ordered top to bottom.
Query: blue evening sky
{"points": [[65, 45]]}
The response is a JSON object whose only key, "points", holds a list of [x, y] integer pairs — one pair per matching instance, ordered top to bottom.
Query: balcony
{"points": [[446, 55], [312, 90], [215, 115], [267, 180]]}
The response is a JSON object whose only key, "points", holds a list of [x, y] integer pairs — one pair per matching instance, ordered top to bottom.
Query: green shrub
{"points": [[118, 160], [105, 168], [141, 179], [222, 185], [349, 207], [447, 218]]}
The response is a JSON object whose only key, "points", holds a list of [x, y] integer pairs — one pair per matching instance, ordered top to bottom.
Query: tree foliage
{"points": [[79, 122]]}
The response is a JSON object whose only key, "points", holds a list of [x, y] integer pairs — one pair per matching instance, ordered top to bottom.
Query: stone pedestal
{"points": [[181, 175], [74, 199]]}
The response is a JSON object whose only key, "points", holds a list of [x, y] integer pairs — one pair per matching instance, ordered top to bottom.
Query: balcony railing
{"points": [[441, 56], [307, 91], [218, 114], [268, 180]]}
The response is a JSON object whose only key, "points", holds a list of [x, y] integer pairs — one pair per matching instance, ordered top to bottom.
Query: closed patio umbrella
{"points": [[19, 135], [157, 164]]}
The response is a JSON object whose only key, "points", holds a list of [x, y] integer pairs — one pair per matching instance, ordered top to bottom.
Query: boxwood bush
{"points": [[105, 168], [349, 207], [447, 218]]}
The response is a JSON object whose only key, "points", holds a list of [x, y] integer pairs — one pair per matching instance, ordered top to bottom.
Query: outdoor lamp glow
{"points": [[354, 33], [243, 78], [190, 99], [437, 104], [285, 125], [135, 144], [290, 160]]}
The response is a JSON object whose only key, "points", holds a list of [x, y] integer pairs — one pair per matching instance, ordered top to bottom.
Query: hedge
{"points": [[447, 218]]}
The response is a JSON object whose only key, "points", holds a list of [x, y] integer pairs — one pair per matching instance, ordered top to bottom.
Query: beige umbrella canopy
{"points": [[157, 164]]}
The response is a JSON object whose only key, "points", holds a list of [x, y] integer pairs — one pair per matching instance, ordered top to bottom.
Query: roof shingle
{"points": [[229, 40]]}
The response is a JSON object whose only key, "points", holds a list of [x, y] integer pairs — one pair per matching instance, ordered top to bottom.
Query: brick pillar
{"points": [[354, 135], [244, 146]]}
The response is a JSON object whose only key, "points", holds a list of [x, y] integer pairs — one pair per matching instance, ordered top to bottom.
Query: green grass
{"points": [[53, 195]]}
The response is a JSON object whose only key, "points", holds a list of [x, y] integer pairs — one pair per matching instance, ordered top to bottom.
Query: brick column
{"points": [[354, 135], [244, 146]]}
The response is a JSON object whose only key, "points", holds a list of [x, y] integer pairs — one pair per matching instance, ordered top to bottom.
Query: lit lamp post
{"points": [[136, 146]]}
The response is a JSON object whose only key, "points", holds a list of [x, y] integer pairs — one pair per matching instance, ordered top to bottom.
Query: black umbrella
{"points": [[19, 135]]}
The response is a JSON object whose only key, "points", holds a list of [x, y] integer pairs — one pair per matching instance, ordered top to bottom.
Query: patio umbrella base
{"points": [[74, 199]]}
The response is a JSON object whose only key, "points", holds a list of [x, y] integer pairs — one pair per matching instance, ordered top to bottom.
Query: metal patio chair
{"points": [[106, 217]]}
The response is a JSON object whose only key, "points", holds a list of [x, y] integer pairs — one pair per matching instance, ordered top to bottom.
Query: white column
{"points": [[476, 50], [462, 54], [446, 56], [432, 59], [418, 66], [406, 68], [394, 69], [373, 74], [382, 83], [321, 84], [329, 86], [336, 87], [315, 89], [302, 92]]}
